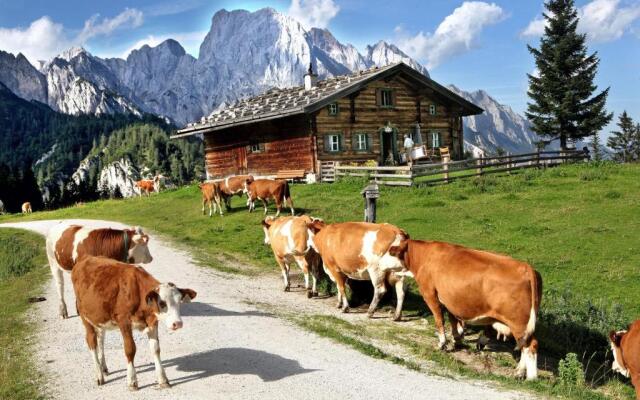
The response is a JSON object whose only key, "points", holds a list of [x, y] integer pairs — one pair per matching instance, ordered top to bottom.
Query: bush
{"points": [[570, 373]]}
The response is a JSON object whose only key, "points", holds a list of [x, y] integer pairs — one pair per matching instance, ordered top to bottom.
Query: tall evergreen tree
{"points": [[563, 104], [625, 142], [596, 147]]}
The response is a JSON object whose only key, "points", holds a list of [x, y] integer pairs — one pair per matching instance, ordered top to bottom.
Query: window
{"points": [[386, 98], [333, 109], [432, 109], [435, 140], [360, 142], [333, 143], [256, 147]]}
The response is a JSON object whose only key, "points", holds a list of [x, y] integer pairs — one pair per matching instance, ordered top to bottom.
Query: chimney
{"points": [[310, 79]]}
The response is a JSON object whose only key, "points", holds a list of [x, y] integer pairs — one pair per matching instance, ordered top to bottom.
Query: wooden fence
{"points": [[446, 171]]}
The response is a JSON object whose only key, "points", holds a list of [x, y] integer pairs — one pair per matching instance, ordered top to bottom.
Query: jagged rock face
{"points": [[384, 53], [22, 78], [498, 126], [121, 175]]}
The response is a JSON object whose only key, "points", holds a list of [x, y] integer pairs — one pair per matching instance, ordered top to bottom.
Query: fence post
{"points": [[538, 159], [509, 163], [479, 166], [445, 167], [370, 194]]}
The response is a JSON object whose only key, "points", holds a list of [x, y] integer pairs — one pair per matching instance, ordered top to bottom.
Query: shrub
{"points": [[570, 373]]}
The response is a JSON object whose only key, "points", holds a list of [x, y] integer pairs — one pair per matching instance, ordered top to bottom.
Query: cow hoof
{"points": [[287, 289], [314, 294], [309, 295], [345, 310], [369, 315], [397, 318], [480, 346], [105, 371], [100, 381], [164, 385], [134, 387]]}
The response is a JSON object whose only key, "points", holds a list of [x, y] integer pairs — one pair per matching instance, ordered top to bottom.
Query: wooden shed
{"points": [[351, 118]]}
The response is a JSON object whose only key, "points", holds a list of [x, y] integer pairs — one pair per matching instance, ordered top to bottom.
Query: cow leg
{"points": [[217, 201], [204, 203], [265, 204], [291, 206], [304, 266], [284, 268], [59, 281], [398, 284], [379, 288], [343, 303], [436, 310], [456, 329], [92, 343], [154, 346], [130, 353], [529, 355], [103, 364], [635, 380]]}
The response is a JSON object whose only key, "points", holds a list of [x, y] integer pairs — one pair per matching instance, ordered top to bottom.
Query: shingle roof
{"points": [[278, 103]]}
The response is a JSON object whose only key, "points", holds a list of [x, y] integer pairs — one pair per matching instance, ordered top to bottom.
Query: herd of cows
{"points": [[474, 287]]}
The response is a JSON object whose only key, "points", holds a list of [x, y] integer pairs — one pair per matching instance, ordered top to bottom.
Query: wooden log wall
{"points": [[284, 144]]}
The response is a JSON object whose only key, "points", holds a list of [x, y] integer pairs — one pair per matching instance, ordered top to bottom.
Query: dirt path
{"points": [[228, 349]]}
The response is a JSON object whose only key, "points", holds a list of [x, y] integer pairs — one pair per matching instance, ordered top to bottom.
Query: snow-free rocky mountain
{"points": [[243, 54]]}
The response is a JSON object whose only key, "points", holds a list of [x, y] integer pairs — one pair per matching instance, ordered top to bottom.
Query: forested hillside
{"points": [[40, 150]]}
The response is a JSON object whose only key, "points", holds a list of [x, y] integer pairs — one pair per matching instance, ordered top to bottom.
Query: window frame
{"points": [[390, 98], [433, 110], [331, 111], [434, 135], [357, 136], [329, 137], [256, 146]]}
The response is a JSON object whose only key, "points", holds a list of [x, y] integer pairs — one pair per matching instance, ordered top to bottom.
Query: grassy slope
{"points": [[577, 225], [21, 275]]}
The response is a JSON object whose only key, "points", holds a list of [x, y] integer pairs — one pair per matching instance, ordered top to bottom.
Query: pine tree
{"points": [[562, 104], [625, 142], [596, 147]]}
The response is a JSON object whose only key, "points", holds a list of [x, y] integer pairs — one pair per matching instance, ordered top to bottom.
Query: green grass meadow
{"points": [[577, 225], [22, 272]]}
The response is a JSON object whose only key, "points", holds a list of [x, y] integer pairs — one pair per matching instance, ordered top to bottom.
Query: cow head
{"points": [[247, 183], [266, 224], [314, 226], [138, 248], [400, 251], [165, 300], [618, 362]]}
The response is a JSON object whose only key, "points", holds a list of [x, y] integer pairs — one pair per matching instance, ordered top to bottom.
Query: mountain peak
{"points": [[72, 53]]}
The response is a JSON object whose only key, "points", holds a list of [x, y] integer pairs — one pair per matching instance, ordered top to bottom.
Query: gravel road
{"points": [[226, 350]]}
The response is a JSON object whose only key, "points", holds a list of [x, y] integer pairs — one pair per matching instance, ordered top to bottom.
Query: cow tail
{"points": [[287, 194], [535, 281]]}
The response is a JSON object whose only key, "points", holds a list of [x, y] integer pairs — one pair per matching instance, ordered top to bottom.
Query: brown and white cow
{"points": [[145, 186], [233, 186], [266, 189], [211, 194], [26, 208], [289, 238], [68, 244], [360, 251], [477, 288], [115, 295], [626, 353]]}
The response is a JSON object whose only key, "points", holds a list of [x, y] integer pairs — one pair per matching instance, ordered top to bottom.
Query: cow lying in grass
{"points": [[266, 189], [211, 194], [289, 238], [67, 244], [360, 251], [477, 288], [115, 295], [626, 353]]}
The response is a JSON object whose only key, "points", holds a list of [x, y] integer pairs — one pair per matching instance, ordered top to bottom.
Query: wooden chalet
{"points": [[350, 119]]}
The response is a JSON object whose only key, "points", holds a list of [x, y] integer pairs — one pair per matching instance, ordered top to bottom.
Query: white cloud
{"points": [[172, 7], [313, 13], [601, 20], [456, 34], [43, 38]]}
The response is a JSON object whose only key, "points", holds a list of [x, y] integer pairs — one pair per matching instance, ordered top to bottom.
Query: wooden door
{"points": [[241, 160]]}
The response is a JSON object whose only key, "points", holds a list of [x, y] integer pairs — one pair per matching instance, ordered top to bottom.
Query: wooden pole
{"points": [[509, 162], [479, 166], [445, 167], [370, 194]]}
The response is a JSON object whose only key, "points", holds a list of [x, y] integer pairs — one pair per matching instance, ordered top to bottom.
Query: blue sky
{"points": [[474, 45]]}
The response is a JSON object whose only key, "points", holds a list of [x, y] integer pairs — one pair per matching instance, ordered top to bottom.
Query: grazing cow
{"points": [[158, 182], [145, 185], [233, 186], [265, 189], [211, 194], [26, 208], [2, 210], [289, 239], [68, 244], [360, 251], [477, 288], [115, 295], [626, 353]]}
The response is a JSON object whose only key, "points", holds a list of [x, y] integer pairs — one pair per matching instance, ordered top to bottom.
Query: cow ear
{"points": [[267, 222], [316, 226], [399, 250], [187, 295], [152, 298], [616, 337]]}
